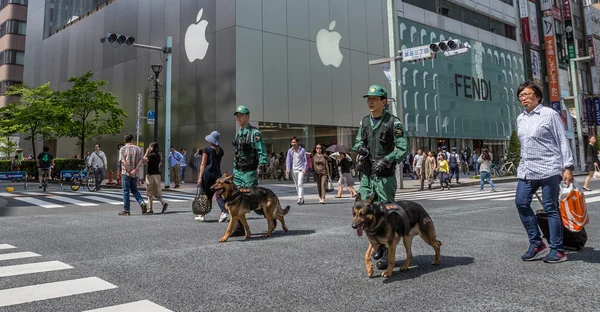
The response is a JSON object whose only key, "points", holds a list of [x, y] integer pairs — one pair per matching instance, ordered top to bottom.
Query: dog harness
{"points": [[395, 208]]}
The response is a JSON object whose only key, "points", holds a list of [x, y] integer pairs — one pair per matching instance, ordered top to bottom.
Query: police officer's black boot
{"points": [[238, 230], [379, 252], [382, 264]]}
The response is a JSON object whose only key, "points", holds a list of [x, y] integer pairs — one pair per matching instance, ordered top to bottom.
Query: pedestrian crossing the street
{"points": [[473, 194], [61, 199], [52, 289]]}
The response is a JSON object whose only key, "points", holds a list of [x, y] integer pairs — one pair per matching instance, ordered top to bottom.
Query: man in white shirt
{"points": [[97, 160], [417, 163]]}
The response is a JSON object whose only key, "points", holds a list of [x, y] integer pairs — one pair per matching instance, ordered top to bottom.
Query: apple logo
{"points": [[195, 42], [328, 46]]}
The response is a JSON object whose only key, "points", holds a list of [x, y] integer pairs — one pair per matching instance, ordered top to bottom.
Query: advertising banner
{"points": [[545, 5], [566, 10], [556, 13], [524, 15], [533, 25], [551, 62], [536, 64], [597, 110], [589, 111]]}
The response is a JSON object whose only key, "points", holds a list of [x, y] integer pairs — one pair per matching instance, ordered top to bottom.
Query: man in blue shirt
{"points": [[174, 160]]}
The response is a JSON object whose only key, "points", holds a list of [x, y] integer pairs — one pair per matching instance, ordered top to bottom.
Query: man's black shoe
{"points": [[238, 230], [379, 252], [382, 264]]}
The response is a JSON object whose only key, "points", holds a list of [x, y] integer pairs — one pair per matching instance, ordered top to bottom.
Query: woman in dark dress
{"points": [[591, 162], [210, 170], [346, 180], [153, 186]]}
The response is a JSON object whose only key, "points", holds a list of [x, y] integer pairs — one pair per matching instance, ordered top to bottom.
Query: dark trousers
{"points": [[453, 171], [99, 175], [321, 180]]}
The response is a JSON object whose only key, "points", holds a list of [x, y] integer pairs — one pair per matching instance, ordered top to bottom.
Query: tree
{"points": [[94, 112], [36, 115], [7, 146], [514, 149]]}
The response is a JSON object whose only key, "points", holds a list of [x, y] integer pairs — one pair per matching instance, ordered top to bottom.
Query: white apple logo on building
{"points": [[195, 42], [328, 46]]}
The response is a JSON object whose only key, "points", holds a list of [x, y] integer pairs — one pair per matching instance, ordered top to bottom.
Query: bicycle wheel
{"points": [[45, 182], [75, 182], [90, 182]]}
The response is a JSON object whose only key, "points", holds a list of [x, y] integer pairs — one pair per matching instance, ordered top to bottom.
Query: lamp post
{"points": [[572, 65], [156, 69]]}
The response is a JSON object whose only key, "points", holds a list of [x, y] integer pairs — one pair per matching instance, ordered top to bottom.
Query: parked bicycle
{"points": [[508, 168], [86, 177]]}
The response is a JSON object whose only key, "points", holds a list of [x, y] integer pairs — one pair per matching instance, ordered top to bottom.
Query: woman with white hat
{"points": [[210, 169]]}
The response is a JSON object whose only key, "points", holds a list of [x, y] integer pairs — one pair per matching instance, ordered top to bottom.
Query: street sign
{"points": [[416, 54], [151, 117]]}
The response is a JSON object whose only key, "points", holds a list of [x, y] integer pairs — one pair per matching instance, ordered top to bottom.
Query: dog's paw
{"points": [[285, 229], [264, 235], [247, 236], [223, 239], [436, 262], [404, 268], [370, 273], [387, 273]]}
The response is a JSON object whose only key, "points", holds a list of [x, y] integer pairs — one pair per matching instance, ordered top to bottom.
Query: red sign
{"points": [[567, 9], [556, 13], [525, 35], [552, 67]]}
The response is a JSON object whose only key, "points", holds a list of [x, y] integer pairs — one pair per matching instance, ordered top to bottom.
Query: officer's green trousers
{"points": [[245, 178], [384, 187]]}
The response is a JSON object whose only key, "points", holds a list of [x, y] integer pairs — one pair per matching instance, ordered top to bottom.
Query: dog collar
{"points": [[379, 225]]}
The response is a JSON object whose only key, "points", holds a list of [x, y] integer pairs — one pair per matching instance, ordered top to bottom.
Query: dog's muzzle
{"points": [[359, 228]]}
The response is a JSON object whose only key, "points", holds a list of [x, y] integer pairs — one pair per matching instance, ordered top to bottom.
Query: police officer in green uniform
{"points": [[380, 144], [249, 153]]}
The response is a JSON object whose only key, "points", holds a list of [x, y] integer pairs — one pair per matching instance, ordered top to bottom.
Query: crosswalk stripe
{"points": [[67, 193], [9, 194], [424, 194], [461, 196], [491, 196], [169, 198], [592, 199], [104, 200], [71, 201], [37, 202], [6, 246], [18, 255], [29, 268], [39, 292], [143, 305]]}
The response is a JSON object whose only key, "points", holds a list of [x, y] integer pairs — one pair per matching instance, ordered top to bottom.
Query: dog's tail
{"points": [[283, 211]]}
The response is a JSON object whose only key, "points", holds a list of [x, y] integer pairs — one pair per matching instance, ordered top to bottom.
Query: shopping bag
{"points": [[597, 175], [329, 187], [201, 205], [573, 208]]}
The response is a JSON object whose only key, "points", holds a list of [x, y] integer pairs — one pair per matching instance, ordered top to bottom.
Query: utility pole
{"points": [[393, 47], [573, 66]]}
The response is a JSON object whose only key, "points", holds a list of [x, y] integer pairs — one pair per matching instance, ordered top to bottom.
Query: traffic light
{"points": [[118, 39], [444, 46]]}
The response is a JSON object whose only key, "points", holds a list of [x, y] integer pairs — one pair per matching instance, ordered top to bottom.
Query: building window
{"points": [[4, 3], [62, 12], [467, 16], [13, 27], [12, 57], [5, 85]]}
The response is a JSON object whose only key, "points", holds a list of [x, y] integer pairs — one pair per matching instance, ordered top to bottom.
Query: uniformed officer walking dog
{"points": [[381, 144], [249, 153], [240, 201], [385, 224]]}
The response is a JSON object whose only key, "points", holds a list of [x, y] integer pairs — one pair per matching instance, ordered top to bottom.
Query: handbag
{"points": [[597, 175], [329, 187], [201, 205]]}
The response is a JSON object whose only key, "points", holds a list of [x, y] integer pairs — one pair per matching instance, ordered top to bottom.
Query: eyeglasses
{"points": [[525, 94]]}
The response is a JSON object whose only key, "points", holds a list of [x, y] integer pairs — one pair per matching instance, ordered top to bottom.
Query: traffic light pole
{"points": [[169, 52], [394, 70], [155, 110]]}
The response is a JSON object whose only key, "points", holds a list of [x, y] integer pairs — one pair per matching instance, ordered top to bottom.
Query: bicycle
{"points": [[508, 168], [45, 178], [83, 178]]}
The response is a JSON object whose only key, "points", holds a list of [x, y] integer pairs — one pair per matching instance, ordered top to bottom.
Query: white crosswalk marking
{"points": [[508, 194], [104, 200], [72, 201], [38, 202], [6, 246], [18, 255], [29, 268], [39, 292], [143, 305]]}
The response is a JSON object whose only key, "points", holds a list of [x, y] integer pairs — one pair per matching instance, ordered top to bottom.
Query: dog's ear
{"points": [[224, 175], [230, 177], [358, 198], [370, 198]]}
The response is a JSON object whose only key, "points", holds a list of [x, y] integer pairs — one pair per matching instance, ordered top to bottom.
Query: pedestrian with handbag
{"points": [[97, 161], [591, 162], [321, 170], [210, 171], [346, 180], [153, 183]]}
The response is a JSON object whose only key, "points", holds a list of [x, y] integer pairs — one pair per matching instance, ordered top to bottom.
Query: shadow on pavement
{"points": [[279, 232], [587, 254], [424, 266]]}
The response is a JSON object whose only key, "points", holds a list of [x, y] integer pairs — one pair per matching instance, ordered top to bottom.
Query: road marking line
{"points": [[67, 193], [9, 194], [429, 194], [477, 195], [491, 196], [131, 198], [72, 201], [109, 201], [37, 202], [6, 246], [18, 255], [38, 267], [39, 292], [143, 305]]}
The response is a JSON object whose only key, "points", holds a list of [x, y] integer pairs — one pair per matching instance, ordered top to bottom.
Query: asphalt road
{"points": [[171, 262]]}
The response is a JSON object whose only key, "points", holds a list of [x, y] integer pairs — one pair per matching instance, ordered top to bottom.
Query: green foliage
{"points": [[94, 112], [36, 115], [7, 146], [514, 149], [30, 166]]}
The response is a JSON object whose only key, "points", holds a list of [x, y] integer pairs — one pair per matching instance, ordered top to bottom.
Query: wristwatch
{"points": [[571, 167]]}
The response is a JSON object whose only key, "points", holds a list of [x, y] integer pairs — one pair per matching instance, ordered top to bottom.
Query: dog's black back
{"points": [[250, 197], [405, 218]]}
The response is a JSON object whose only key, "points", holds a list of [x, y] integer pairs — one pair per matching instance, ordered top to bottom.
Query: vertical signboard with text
{"points": [[524, 15], [569, 32], [551, 62]]}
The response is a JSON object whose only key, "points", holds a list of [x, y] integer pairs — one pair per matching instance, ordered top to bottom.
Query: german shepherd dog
{"points": [[240, 201], [386, 224]]}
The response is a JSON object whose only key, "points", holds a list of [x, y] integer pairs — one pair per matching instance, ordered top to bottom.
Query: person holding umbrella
{"points": [[381, 144]]}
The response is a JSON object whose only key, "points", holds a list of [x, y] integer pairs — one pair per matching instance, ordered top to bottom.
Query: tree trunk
{"points": [[82, 138], [33, 147]]}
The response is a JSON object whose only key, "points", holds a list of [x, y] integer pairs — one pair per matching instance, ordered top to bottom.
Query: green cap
{"points": [[376, 90], [241, 110]]}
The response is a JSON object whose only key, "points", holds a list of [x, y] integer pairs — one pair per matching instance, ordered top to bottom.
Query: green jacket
{"points": [[390, 141], [249, 149]]}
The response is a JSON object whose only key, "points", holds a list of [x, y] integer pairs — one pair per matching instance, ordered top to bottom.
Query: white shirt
{"points": [[97, 160]]}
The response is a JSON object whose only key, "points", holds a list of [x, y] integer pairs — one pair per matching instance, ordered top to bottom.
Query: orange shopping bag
{"points": [[573, 208]]}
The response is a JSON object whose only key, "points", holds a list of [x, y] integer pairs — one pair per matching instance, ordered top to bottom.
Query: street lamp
{"points": [[156, 69], [577, 109]]}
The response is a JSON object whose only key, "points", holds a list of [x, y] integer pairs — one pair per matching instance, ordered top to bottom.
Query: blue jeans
{"points": [[476, 167], [182, 173], [486, 176], [130, 184], [550, 190]]}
